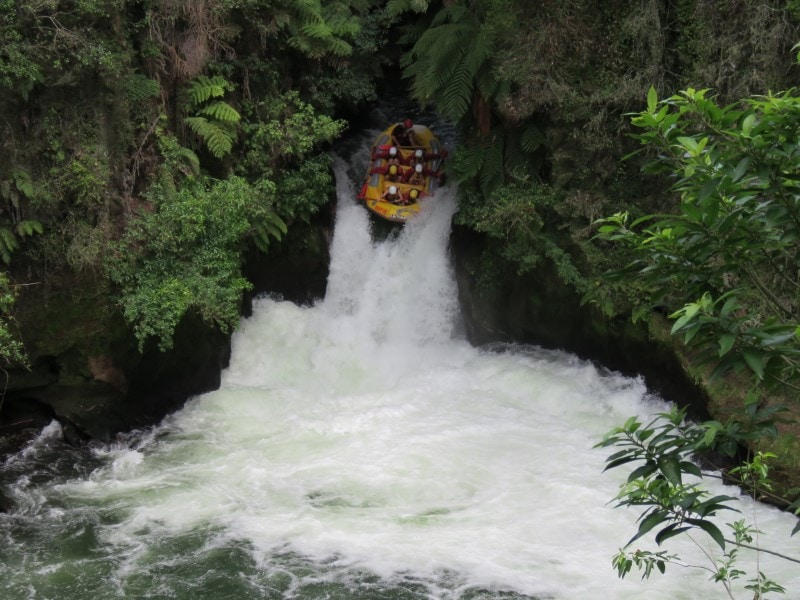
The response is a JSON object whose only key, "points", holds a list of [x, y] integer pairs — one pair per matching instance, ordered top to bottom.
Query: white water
{"points": [[360, 442]]}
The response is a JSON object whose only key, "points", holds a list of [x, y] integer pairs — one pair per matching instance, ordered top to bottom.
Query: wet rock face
{"points": [[539, 309], [119, 391], [21, 420]]}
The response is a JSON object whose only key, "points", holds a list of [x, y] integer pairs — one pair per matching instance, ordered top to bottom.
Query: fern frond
{"points": [[306, 10], [454, 13], [319, 30], [339, 47], [447, 65], [202, 88], [456, 98], [221, 111], [217, 137], [532, 137], [188, 158], [470, 159], [491, 175], [23, 182], [275, 221], [271, 226], [28, 227], [261, 239], [8, 244]]}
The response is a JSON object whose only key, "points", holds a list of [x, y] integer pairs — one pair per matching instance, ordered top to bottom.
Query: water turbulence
{"points": [[357, 448]]}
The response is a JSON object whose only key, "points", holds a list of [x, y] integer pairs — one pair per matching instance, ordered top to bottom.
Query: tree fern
{"points": [[320, 31], [450, 61], [203, 88], [221, 111], [214, 122], [218, 136], [487, 161]]}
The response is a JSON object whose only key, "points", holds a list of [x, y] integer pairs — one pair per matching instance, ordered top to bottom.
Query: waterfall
{"points": [[358, 448]]}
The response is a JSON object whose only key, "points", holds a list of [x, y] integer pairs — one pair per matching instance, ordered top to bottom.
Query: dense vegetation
{"points": [[146, 143], [149, 144]]}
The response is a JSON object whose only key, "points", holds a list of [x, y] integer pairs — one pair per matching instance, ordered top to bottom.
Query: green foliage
{"points": [[398, 7], [315, 28], [450, 62], [19, 70], [139, 88], [203, 88], [214, 122], [283, 130], [282, 138], [503, 155], [179, 163], [301, 191], [16, 192], [517, 215], [269, 226], [184, 255], [725, 263], [724, 266], [12, 352], [663, 453]]}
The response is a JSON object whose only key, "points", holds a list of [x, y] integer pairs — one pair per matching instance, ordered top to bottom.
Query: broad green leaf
{"points": [[652, 100], [747, 124], [688, 143], [741, 168], [726, 342], [754, 360], [618, 462], [671, 470], [643, 472], [655, 518], [710, 529], [670, 531]]}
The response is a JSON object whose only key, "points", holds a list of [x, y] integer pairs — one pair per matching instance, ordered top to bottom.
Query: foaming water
{"points": [[359, 449]]}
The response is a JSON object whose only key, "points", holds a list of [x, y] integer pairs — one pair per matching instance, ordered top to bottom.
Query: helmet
{"points": [[408, 123], [392, 151], [418, 153], [418, 168], [393, 169], [392, 189], [413, 194]]}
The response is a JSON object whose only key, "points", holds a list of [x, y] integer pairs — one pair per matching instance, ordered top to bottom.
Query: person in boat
{"points": [[403, 134], [386, 152], [420, 156], [394, 157], [391, 172], [418, 175], [393, 194], [413, 196]]}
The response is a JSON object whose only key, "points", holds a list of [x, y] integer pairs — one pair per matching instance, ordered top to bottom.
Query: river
{"points": [[358, 448]]}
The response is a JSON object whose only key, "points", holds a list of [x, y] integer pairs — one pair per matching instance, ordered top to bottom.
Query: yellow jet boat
{"points": [[405, 166]]}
